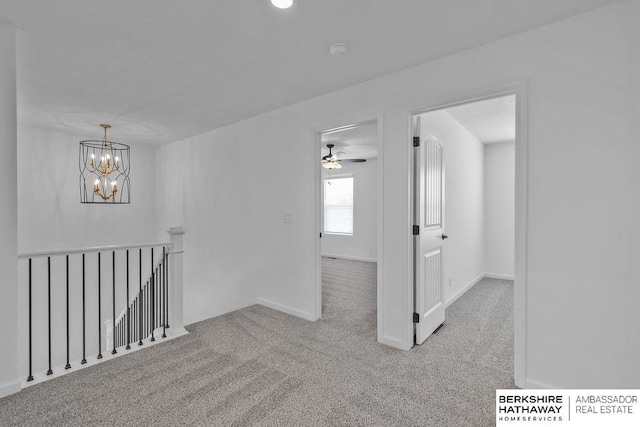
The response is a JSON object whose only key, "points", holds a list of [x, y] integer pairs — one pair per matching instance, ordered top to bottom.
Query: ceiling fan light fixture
{"points": [[282, 4], [331, 165]]}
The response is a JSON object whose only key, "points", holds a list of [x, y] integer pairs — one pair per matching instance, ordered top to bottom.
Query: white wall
{"points": [[463, 156], [230, 200], [499, 208], [8, 213], [50, 215], [364, 242], [581, 256], [631, 292]]}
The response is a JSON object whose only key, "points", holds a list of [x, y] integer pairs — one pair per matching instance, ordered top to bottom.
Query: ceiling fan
{"points": [[332, 161]]}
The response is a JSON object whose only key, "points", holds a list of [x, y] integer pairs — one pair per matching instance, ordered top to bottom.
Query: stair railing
{"points": [[70, 294], [148, 310]]}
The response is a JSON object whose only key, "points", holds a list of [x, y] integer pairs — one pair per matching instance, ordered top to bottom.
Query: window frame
{"points": [[324, 208]]}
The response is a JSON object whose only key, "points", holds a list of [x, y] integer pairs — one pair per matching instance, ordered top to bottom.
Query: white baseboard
{"points": [[351, 258], [499, 276], [473, 282], [463, 290], [283, 308], [392, 342], [58, 371], [533, 384], [10, 387]]}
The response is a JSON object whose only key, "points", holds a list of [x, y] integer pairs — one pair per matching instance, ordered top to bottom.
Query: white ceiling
{"points": [[163, 70], [491, 120], [357, 142]]}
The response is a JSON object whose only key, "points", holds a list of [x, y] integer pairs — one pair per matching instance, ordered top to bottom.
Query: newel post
{"points": [[176, 308]]}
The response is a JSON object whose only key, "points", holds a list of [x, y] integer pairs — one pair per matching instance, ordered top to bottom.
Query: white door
{"points": [[428, 243]]}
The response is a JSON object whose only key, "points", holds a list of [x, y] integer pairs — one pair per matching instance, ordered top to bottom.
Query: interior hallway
{"points": [[257, 366]]}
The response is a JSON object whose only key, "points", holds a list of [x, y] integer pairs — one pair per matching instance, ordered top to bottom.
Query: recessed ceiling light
{"points": [[282, 4]]}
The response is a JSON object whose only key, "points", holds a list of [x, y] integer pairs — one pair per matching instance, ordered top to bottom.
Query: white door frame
{"points": [[317, 194], [521, 211]]}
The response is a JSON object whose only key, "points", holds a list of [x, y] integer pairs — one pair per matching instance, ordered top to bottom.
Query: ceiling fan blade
{"points": [[354, 160]]}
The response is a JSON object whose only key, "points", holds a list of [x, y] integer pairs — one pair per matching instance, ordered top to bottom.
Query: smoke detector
{"points": [[338, 49]]}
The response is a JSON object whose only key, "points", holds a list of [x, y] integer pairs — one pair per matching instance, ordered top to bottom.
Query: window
{"points": [[338, 206]]}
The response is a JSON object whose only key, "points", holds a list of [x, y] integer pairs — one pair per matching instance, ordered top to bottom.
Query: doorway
{"points": [[461, 156], [348, 249]]}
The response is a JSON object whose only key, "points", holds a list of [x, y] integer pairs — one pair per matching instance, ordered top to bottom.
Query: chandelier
{"points": [[104, 171]]}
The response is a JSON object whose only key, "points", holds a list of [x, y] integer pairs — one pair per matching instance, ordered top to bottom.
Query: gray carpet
{"points": [[257, 366]]}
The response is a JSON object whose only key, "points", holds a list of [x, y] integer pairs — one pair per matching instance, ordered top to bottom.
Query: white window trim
{"points": [[333, 177]]}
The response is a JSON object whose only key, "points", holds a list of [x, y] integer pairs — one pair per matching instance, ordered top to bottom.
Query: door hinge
{"points": [[416, 141], [416, 230], [321, 235], [416, 318]]}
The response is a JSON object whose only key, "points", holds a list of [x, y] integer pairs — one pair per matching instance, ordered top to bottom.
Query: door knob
{"points": [[443, 236]]}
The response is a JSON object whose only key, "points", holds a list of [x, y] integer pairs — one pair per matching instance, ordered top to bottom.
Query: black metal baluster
{"points": [[113, 265], [166, 275], [164, 292], [151, 297], [159, 298], [156, 300], [140, 301], [153, 302], [99, 308], [145, 309], [135, 320], [84, 331], [128, 347], [68, 365], [50, 371], [30, 377]]}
